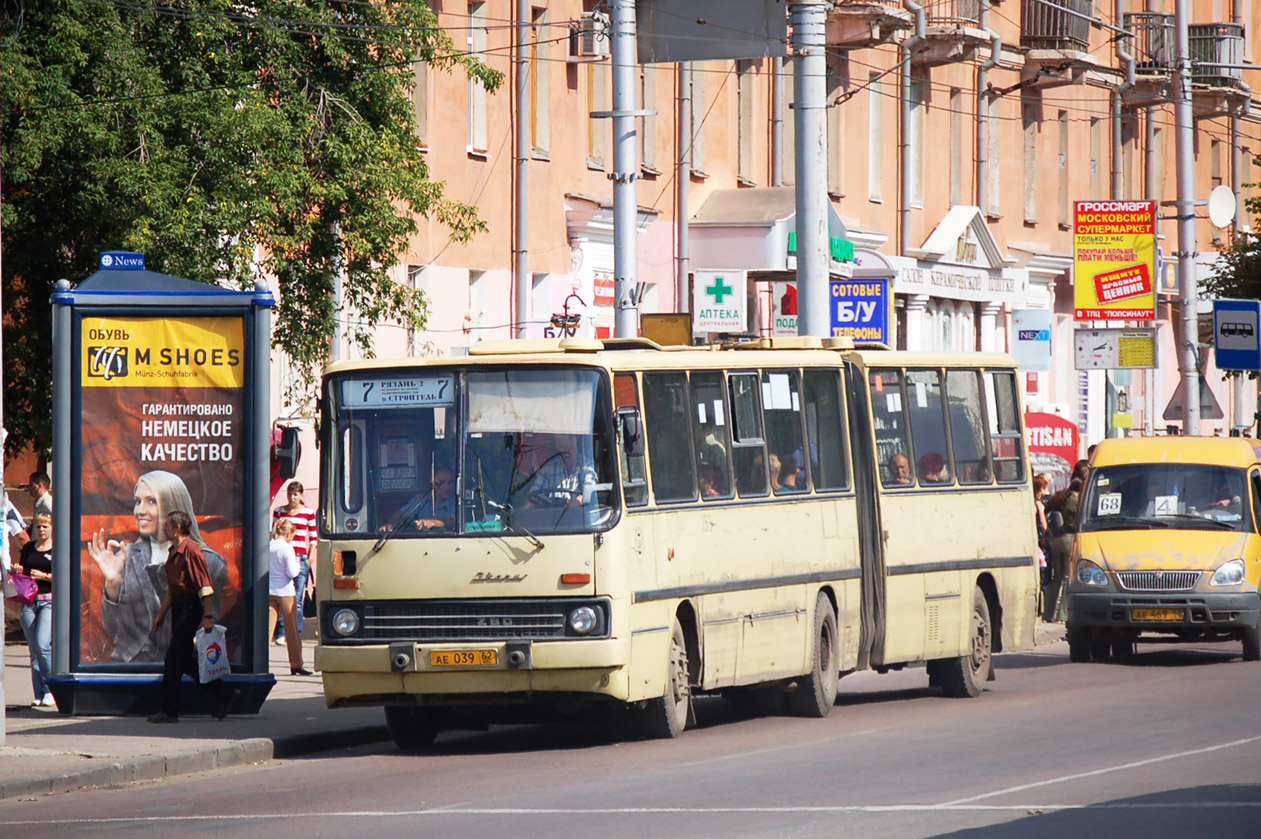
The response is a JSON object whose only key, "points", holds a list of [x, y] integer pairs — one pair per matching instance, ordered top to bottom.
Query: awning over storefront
{"points": [[755, 229], [961, 260]]}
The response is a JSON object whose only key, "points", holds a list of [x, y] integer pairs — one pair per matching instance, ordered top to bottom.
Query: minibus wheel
{"points": [[1252, 642], [966, 675], [816, 691], [666, 716], [410, 727]]}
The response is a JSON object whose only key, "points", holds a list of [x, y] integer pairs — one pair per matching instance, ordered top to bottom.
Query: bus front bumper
{"points": [[1160, 612]]}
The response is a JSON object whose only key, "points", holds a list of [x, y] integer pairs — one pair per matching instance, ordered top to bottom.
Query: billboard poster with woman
{"points": [[162, 429]]}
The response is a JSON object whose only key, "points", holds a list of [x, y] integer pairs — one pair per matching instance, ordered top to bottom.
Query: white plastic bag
{"points": [[212, 653]]}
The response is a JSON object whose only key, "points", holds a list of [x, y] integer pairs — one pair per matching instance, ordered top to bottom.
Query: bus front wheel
{"points": [[1252, 642], [965, 676], [816, 691], [666, 716], [410, 728]]}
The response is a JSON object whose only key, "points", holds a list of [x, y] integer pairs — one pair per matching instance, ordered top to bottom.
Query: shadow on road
{"points": [[1220, 811]]}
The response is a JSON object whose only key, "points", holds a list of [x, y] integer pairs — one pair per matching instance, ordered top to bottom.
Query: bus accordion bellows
{"points": [[561, 523]]}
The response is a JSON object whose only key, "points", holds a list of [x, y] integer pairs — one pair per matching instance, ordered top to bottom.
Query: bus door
{"points": [[870, 527]]}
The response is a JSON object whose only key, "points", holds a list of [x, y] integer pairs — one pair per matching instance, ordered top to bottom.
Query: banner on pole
{"points": [[1114, 260]]}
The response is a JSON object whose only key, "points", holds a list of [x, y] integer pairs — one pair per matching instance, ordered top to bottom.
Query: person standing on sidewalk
{"points": [[40, 487], [305, 535], [282, 572], [190, 600], [37, 618]]}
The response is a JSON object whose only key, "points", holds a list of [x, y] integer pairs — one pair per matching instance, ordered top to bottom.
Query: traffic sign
{"points": [[1237, 334]]}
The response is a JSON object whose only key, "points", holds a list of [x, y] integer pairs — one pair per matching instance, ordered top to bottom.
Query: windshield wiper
{"points": [[504, 509], [404, 514], [1124, 522], [1224, 525]]}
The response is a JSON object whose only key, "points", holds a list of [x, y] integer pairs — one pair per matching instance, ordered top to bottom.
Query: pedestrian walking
{"points": [[40, 487], [305, 534], [282, 572], [190, 600], [37, 618]]}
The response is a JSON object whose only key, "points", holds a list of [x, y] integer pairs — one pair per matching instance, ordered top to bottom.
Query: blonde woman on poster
{"points": [[134, 573]]}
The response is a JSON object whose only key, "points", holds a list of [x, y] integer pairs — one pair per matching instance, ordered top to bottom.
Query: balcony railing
{"points": [[953, 12], [1043, 26], [1216, 43], [1153, 45]]}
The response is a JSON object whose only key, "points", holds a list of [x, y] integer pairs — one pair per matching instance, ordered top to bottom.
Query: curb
{"points": [[185, 762]]}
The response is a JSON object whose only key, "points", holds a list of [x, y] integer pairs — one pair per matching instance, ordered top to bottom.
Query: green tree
{"points": [[225, 142]]}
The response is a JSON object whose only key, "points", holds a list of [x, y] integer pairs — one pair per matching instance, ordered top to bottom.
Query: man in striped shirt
{"points": [[305, 534]]}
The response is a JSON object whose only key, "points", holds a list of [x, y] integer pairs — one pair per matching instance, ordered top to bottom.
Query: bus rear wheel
{"points": [[965, 676], [816, 691], [666, 716], [410, 728]]}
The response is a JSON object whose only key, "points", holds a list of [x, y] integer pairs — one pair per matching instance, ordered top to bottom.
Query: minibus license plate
{"points": [[1157, 614], [463, 658]]}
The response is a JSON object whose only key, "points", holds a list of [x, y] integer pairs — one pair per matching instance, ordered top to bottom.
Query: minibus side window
{"points": [[928, 427], [712, 435], [669, 437], [748, 444], [893, 452], [1256, 500]]}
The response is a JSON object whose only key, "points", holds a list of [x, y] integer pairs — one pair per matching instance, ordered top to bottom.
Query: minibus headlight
{"points": [[1089, 574], [1230, 574], [583, 620], [346, 622]]}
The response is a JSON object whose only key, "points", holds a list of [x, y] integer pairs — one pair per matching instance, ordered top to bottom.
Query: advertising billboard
{"points": [[1114, 260], [860, 310]]}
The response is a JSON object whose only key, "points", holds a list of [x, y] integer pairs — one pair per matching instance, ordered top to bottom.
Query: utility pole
{"points": [[808, 19], [1185, 139], [625, 170], [521, 264]]}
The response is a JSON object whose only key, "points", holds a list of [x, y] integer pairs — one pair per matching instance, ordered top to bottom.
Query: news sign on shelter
{"points": [[1114, 260]]}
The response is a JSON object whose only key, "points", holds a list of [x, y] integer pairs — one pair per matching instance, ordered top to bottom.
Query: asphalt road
{"points": [[1166, 744]]}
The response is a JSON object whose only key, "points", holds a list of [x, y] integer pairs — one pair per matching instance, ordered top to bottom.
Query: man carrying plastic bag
{"points": [[190, 600], [212, 656]]}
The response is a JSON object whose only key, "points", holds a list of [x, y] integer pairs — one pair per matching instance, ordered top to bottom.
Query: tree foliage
{"points": [[227, 142], [1239, 273]]}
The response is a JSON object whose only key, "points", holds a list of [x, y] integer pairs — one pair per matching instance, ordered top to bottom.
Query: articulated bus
{"points": [[565, 522]]}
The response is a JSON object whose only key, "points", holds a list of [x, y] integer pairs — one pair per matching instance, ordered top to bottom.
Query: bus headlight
{"points": [[1089, 574], [1230, 574], [583, 620], [346, 622]]}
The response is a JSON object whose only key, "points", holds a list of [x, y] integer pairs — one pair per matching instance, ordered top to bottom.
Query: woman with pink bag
{"points": [[37, 618]]}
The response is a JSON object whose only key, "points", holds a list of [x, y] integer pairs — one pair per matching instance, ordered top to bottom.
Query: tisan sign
{"points": [[718, 301]]}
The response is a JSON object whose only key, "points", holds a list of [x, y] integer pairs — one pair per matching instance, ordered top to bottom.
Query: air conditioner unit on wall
{"points": [[589, 37]]}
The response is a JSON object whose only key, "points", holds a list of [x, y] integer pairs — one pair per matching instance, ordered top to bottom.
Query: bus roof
{"points": [[641, 353], [1224, 451]]}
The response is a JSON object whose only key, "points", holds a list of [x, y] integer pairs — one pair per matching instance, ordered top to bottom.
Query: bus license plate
{"points": [[1157, 614], [463, 658]]}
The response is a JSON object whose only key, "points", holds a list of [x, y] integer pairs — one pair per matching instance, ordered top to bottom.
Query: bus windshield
{"points": [[440, 452], [1140, 496]]}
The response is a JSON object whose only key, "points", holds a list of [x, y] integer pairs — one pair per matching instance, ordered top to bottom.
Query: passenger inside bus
{"points": [[899, 469], [932, 469], [788, 475], [564, 479], [437, 512]]}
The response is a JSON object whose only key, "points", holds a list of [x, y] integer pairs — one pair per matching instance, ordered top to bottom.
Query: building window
{"points": [[477, 42], [540, 71], [838, 82], [420, 101], [698, 118], [1030, 120], [744, 121], [648, 124], [596, 127], [875, 138], [916, 140], [956, 146], [1129, 146], [788, 150], [1096, 158], [1215, 163], [1158, 166], [995, 167], [1065, 216], [417, 282], [478, 299]]}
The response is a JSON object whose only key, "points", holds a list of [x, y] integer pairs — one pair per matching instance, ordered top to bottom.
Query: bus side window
{"points": [[781, 410], [1004, 425], [928, 427], [967, 427], [712, 429], [825, 429], [669, 437], [748, 445], [893, 452], [634, 476]]}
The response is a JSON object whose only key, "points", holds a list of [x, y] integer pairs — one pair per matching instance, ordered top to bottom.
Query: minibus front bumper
{"points": [[1156, 612]]}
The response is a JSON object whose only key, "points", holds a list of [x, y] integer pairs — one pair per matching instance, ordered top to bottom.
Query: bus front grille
{"points": [[1158, 580], [436, 621]]}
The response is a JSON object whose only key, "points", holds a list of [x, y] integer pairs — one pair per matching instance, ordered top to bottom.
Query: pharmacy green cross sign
{"points": [[718, 290], [719, 303]]}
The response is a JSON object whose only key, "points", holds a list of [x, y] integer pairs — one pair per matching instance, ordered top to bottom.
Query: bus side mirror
{"points": [[632, 432], [286, 451]]}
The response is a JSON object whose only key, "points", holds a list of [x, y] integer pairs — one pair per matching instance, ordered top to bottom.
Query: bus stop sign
{"points": [[1237, 334]]}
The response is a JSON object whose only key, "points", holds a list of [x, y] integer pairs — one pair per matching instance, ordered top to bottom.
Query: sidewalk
{"points": [[46, 751]]}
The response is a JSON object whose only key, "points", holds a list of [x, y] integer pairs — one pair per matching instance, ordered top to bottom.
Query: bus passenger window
{"points": [[781, 409], [889, 422], [1004, 425], [928, 426], [967, 427], [825, 429], [712, 436], [669, 437], [748, 450], [634, 477]]}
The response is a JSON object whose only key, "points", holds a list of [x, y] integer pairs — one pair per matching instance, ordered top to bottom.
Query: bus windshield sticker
{"points": [[399, 392], [779, 392], [921, 395], [894, 400], [796, 403], [700, 413], [718, 415], [1104, 481], [1109, 504], [1166, 505]]}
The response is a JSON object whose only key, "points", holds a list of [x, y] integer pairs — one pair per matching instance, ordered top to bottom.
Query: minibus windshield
{"points": [[1139, 496]]}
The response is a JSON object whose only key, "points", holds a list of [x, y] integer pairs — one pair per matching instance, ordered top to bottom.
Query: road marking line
{"points": [[1094, 772], [645, 811]]}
